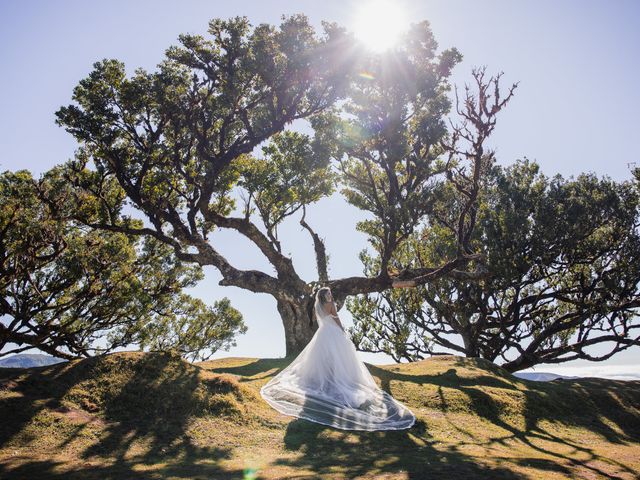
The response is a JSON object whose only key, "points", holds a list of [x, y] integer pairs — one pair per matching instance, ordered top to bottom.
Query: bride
{"points": [[327, 383]]}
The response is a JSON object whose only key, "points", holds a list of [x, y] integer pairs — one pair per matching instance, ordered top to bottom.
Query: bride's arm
{"points": [[334, 314]]}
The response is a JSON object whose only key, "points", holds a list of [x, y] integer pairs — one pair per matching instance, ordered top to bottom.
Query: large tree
{"points": [[183, 141], [563, 283], [71, 291]]}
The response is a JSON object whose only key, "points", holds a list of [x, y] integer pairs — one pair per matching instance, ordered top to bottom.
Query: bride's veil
{"points": [[328, 384]]}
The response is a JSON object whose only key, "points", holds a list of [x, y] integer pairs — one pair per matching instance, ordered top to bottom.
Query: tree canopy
{"points": [[183, 144], [563, 283], [70, 290]]}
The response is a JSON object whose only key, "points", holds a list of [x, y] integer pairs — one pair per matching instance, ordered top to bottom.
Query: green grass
{"points": [[154, 416]]}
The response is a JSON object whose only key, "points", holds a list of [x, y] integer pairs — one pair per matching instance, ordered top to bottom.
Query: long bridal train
{"points": [[327, 383]]}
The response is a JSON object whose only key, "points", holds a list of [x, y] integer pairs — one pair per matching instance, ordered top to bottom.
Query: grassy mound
{"points": [[478, 387], [131, 394], [152, 416]]}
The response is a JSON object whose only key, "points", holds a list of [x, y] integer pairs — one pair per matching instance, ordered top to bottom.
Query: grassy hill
{"points": [[153, 416]]}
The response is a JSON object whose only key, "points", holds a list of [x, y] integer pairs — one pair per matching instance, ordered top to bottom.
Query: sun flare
{"points": [[379, 24]]}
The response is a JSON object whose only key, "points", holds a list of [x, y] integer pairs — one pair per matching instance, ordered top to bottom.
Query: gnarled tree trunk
{"points": [[299, 323]]}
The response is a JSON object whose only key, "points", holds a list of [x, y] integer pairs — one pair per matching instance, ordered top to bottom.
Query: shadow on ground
{"points": [[150, 400], [145, 404], [609, 408]]}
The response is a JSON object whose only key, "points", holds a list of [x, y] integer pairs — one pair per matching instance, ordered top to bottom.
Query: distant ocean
{"points": [[549, 372]]}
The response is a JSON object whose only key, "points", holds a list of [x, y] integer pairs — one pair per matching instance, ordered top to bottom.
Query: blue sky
{"points": [[575, 109]]}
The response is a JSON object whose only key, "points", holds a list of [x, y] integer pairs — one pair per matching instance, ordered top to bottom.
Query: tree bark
{"points": [[299, 323], [470, 344]]}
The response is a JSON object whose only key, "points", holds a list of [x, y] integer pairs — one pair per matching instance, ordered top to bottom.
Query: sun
{"points": [[379, 24]]}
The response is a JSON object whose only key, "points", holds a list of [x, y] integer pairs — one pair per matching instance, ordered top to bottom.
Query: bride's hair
{"points": [[321, 299]]}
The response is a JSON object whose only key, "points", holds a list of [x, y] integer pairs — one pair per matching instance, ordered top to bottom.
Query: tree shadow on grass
{"points": [[251, 369], [30, 391], [154, 399], [145, 403], [581, 403], [154, 404], [331, 452], [334, 453], [198, 464]]}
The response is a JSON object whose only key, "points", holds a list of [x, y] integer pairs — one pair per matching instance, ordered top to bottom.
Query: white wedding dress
{"points": [[327, 383]]}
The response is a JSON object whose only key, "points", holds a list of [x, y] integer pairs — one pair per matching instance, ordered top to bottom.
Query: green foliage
{"points": [[175, 138], [392, 139], [290, 175], [563, 261], [72, 290], [192, 328]]}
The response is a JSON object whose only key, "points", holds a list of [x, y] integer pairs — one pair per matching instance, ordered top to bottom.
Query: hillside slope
{"points": [[153, 416]]}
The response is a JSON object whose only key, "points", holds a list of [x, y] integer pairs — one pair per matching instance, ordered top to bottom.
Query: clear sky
{"points": [[576, 108]]}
